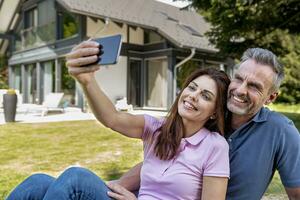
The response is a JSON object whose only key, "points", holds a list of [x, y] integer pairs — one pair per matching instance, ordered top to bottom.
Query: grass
{"points": [[51, 147]]}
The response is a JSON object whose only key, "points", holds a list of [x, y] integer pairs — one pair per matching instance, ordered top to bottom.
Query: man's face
{"points": [[250, 88]]}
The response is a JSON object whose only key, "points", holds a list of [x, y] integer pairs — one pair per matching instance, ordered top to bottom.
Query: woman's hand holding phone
{"points": [[85, 54], [84, 59]]}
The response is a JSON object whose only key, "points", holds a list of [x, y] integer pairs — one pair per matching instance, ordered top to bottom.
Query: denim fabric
{"points": [[73, 184], [32, 188]]}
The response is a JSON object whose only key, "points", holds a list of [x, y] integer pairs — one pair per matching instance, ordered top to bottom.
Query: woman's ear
{"points": [[213, 116]]}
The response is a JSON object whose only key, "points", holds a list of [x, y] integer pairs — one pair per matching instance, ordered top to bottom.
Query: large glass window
{"points": [[31, 18], [46, 21], [39, 25], [68, 25], [29, 35], [18, 37], [17, 78], [48, 78], [135, 82], [31, 83], [156, 83], [68, 84]]}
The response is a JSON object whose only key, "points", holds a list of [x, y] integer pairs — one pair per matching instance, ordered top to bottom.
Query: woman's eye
{"points": [[191, 87], [205, 97]]}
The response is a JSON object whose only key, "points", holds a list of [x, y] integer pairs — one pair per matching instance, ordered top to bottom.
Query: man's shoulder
{"points": [[275, 118], [279, 123]]}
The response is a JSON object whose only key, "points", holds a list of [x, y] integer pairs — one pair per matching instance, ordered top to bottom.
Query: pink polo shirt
{"points": [[203, 154]]}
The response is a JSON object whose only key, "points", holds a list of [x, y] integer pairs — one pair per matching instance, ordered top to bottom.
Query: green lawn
{"points": [[51, 147]]}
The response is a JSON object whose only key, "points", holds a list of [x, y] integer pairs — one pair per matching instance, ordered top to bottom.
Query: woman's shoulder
{"points": [[153, 121], [152, 124], [217, 140]]}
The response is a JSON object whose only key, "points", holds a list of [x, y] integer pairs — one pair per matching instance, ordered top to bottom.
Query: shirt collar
{"points": [[261, 115], [197, 137]]}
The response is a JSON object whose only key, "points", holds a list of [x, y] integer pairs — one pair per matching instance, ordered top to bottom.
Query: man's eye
{"points": [[237, 79], [254, 87]]}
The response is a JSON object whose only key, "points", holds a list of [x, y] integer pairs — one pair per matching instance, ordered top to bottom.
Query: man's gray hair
{"points": [[266, 57]]}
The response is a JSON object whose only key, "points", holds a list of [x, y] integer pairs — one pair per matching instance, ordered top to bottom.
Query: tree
{"points": [[240, 24]]}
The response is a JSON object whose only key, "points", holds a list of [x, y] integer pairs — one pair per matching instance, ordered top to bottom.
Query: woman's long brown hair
{"points": [[172, 131]]}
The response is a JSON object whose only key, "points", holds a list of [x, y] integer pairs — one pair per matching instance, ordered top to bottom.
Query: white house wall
{"points": [[113, 79]]}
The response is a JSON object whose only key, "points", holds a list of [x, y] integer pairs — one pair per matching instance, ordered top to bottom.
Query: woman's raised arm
{"points": [[77, 60]]}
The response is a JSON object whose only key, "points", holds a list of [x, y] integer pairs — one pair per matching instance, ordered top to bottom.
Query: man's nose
{"points": [[242, 88]]}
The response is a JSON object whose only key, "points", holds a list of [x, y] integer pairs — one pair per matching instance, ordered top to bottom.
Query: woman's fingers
{"points": [[86, 44], [83, 52], [82, 61], [74, 71], [116, 188], [120, 193], [116, 196]]}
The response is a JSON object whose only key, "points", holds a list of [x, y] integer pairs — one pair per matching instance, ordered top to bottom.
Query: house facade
{"points": [[156, 39]]}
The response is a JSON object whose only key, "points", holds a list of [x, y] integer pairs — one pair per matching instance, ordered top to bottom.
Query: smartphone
{"points": [[111, 47]]}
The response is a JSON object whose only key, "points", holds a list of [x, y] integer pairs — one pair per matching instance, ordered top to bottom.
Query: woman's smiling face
{"points": [[197, 102]]}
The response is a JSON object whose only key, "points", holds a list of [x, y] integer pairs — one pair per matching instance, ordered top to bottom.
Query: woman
{"points": [[184, 156]]}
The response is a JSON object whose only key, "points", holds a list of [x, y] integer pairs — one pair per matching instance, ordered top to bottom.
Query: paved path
{"points": [[70, 114], [275, 197]]}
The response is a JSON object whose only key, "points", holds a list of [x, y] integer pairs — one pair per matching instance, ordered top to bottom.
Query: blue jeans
{"points": [[73, 184]]}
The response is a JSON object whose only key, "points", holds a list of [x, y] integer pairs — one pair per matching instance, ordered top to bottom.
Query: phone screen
{"points": [[111, 47]]}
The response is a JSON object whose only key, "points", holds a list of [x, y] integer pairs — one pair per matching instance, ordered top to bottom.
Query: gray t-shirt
{"points": [[268, 142]]}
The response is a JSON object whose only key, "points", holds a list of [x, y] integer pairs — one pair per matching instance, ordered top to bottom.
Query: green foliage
{"points": [[240, 24], [70, 27], [184, 71], [3, 72], [68, 83], [290, 89], [11, 91]]}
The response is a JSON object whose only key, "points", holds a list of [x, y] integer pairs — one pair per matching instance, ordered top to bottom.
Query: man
{"points": [[260, 141]]}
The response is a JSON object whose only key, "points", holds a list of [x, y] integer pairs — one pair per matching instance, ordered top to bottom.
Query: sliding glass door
{"points": [[156, 83]]}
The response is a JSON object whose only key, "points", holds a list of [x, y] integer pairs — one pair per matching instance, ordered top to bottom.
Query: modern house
{"points": [[157, 39]]}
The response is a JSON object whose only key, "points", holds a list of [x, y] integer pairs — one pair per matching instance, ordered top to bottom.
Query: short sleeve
{"points": [[151, 126], [288, 156], [218, 161]]}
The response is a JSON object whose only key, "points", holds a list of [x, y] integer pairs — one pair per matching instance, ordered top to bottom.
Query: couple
{"points": [[185, 156]]}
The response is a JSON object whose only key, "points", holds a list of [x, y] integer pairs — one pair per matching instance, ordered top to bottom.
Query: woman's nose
{"points": [[193, 95]]}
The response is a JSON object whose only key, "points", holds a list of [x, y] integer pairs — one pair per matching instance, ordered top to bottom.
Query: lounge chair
{"points": [[50, 104]]}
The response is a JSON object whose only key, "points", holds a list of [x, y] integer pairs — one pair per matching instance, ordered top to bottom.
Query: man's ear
{"points": [[271, 98]]}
